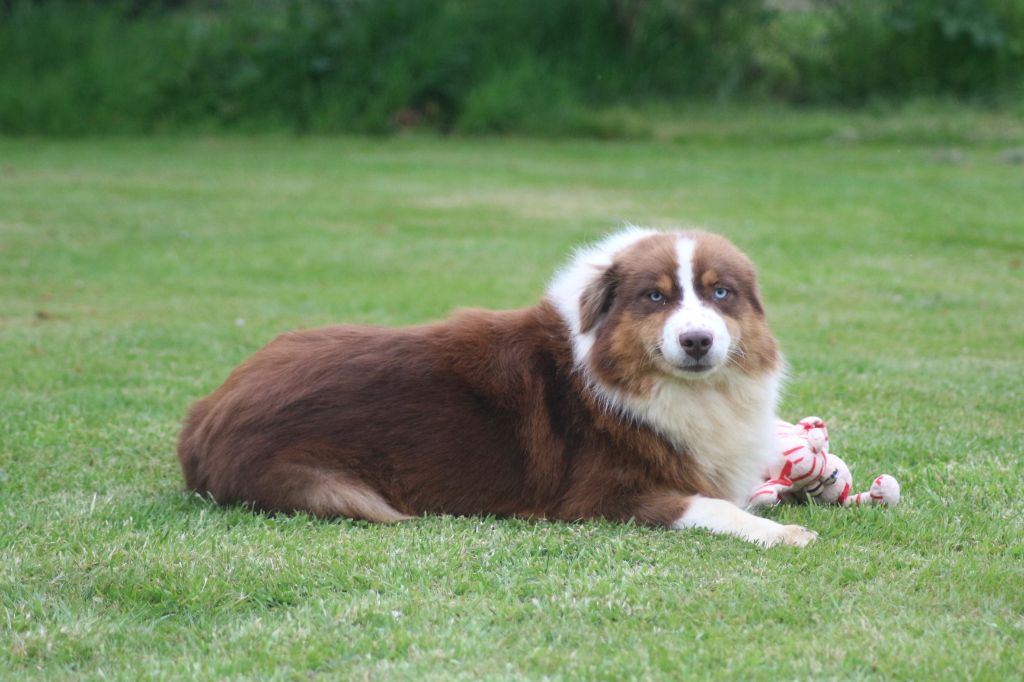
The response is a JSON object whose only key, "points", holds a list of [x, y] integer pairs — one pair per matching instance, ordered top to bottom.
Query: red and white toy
{"points": [[804, 468]]}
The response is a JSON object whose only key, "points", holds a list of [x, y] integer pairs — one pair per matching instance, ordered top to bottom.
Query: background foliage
{"points": [[474, 66]]}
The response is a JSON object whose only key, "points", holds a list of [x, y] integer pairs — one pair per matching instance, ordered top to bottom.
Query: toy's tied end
{"points": [[886, 490]]}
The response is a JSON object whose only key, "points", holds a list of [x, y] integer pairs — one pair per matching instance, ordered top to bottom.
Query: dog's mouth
{"points": [[688, 368], [691, 369]]}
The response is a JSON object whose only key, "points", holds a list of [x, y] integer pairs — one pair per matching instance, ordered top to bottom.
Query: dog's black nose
{"points": [[696, 344]]}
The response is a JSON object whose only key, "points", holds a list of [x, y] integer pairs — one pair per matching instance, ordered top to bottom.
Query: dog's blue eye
{"points": [[721, 293], [656, 296]]}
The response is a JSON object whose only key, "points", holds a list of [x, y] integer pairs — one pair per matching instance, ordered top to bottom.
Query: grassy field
{"points": [[135, 273]]}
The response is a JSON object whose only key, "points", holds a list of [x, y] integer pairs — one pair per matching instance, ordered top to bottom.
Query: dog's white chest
{"points": [[727, 427]]}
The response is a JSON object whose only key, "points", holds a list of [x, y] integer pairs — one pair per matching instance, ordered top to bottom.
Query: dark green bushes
{"points": [[857, 50], [538, 66]]}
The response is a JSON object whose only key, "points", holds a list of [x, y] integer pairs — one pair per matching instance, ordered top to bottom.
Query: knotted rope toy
{"points": [[804, 469]]}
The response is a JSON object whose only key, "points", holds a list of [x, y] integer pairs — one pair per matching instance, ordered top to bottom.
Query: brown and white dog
{"points": [[643, 386]]}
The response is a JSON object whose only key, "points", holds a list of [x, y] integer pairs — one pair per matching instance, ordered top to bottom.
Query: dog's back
{"points": [[379, 423]]}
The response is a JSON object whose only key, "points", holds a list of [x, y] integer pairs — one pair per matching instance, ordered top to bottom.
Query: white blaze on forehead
{"points": [[684, 252], [587, 265], [692, 315]]}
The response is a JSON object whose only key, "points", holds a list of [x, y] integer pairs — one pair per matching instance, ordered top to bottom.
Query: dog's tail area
{"points": [[189, 447], [277, 481], [289, 485]]}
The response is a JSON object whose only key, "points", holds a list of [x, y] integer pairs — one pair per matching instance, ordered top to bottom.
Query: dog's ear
{"points": [[755, 294], [596, 300], [755, 301]]}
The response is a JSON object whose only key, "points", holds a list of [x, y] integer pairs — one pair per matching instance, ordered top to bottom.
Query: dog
{"points": [[642, 387]]}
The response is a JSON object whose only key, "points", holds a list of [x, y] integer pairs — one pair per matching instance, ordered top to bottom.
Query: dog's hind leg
{"points": [[290, 486]]}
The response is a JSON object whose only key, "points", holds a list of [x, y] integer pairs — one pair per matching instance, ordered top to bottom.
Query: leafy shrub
{"points": [[853, 51], [538, 66]]}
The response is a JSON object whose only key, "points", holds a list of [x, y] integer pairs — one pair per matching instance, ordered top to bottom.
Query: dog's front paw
{"points": [[771, 534], [796, 536]]}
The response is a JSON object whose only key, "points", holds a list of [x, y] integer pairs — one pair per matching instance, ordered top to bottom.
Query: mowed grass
{"points": [[136, 273]]}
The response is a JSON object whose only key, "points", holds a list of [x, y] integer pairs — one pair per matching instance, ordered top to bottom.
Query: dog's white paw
{"points": [[719, 516], [777, 534], [796, 536]]}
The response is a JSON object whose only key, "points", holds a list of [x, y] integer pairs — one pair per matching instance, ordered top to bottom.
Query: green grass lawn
{"points": [[136, 273]]}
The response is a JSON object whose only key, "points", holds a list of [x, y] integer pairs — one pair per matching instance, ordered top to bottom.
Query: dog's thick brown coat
{"points": [[483, 413]]}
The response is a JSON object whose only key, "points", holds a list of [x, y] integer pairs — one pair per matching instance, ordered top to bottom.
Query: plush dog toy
{"points": [[804, 468]]}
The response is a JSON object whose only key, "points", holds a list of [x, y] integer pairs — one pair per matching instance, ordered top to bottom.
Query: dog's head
{"points": [[645, 305]]}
